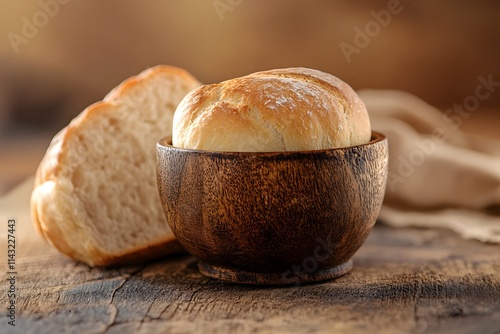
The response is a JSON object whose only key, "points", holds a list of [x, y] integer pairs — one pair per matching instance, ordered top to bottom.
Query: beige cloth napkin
{"points": [[439, 176]]}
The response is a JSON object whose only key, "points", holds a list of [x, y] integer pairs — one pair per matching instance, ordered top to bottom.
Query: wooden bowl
{"points": [[273, 217]]}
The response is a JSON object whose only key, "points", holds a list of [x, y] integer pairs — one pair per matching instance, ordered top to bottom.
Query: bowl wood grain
{"points": [[273, 217]]}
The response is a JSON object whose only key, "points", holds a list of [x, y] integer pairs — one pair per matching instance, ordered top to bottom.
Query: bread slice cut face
{"points": [[95, 197]]}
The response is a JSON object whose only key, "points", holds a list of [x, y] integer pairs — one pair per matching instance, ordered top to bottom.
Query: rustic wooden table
{"points": [[403, 281]]}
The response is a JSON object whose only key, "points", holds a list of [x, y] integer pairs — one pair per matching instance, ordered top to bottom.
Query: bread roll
{"points": [[279, 110], [95, 197]]}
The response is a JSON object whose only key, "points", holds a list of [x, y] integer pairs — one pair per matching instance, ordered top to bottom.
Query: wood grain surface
{"points": [[253, 216], [403, 281]]}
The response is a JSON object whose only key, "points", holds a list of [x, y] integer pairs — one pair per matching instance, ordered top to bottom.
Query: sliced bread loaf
{"points": [[95, 197]]}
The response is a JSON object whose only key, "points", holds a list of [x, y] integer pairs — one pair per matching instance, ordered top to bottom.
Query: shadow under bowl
{"points": [[273, 217]]}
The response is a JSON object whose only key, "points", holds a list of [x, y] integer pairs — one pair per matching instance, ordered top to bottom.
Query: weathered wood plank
{"points": [[403, 281]]}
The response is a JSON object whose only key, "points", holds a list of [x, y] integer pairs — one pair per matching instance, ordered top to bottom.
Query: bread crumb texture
{"points": [[95, 196]]}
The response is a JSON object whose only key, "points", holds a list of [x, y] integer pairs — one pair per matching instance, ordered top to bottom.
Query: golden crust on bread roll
{"points": [[290, 109]]}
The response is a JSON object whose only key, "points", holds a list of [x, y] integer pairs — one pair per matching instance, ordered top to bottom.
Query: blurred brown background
{"points": [[58, 56]]}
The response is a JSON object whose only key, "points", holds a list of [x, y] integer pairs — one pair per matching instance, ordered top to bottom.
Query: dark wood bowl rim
{"points": [[165, 143]]}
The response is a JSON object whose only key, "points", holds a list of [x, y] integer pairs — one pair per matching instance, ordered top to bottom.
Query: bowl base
{"points": [[284, 278]]}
